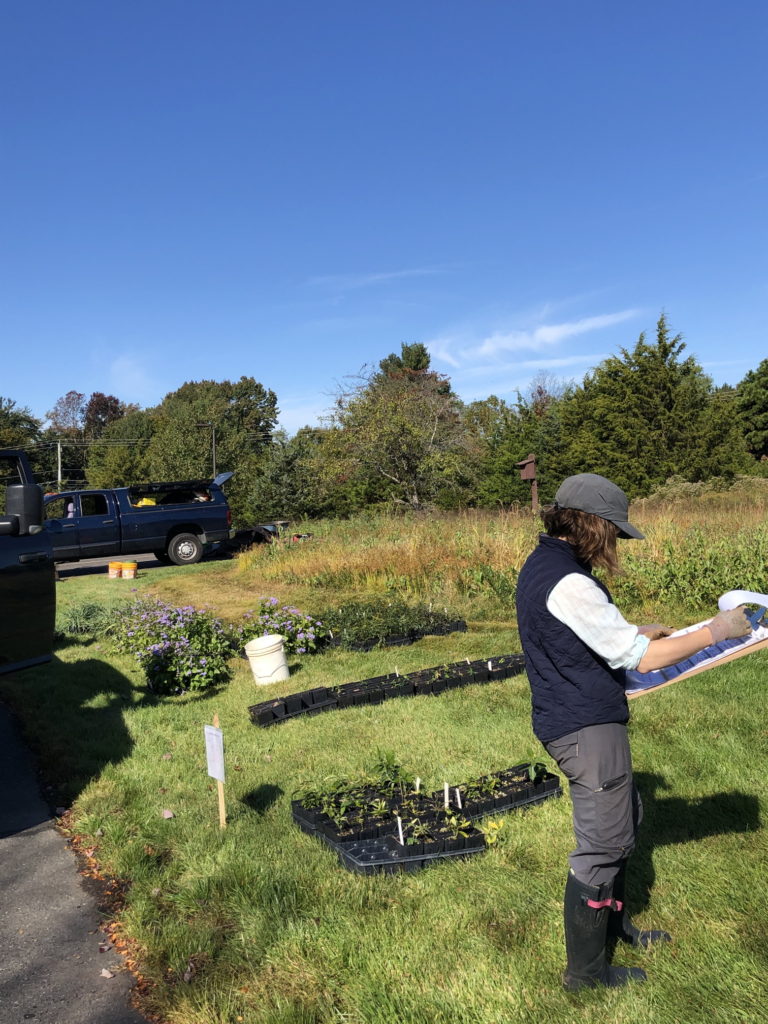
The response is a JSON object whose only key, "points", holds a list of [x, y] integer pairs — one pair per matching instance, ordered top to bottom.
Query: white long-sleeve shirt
{"points": [[578, 602]]}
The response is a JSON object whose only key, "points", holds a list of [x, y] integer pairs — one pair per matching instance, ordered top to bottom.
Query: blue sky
{"points": [[291, 189]]}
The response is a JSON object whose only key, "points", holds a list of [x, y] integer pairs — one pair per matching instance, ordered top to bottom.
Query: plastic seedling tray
{"points": [[386, 855]]}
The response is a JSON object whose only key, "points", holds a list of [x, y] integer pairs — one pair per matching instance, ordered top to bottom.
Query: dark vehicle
{"points": [[177, 521], [27, 579]]}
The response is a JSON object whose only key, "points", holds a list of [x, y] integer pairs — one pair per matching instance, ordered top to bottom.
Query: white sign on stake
{"points": [[214, 750]]}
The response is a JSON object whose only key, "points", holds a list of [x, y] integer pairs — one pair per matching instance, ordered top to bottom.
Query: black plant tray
{"points": [[381, 688], [374, 845], [386, 855]]}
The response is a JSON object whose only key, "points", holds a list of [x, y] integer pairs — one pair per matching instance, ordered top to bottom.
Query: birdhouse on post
{"points": [[528, 472]]}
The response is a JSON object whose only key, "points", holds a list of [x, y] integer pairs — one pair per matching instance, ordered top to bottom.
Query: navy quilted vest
{"points": [[571, 686]]}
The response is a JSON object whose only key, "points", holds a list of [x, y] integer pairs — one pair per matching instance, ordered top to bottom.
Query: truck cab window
{"points": [[9, 474], [93, 505], [62, 507]]}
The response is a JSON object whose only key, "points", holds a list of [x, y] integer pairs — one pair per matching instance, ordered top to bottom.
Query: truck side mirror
{"points": [[24, 508]]}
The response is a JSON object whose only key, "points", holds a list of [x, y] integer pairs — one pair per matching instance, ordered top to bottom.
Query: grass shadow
{"points": [[72, 716], [262, 798], [674, 820]]}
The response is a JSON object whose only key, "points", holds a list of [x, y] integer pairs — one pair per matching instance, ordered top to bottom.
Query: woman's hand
{"points": [[655, 631]]}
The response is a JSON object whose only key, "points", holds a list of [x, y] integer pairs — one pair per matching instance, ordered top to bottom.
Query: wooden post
{"points": [[528, 472]]}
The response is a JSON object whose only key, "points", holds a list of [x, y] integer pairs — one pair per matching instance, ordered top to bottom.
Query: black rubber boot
{"points": [[586, 909], [620, 924]]}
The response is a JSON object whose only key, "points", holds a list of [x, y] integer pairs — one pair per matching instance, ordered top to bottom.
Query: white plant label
{"points": [[214, 751]]}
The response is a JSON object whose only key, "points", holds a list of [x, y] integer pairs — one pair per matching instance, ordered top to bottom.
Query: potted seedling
{"points": [[455, 827], [420, 836]]}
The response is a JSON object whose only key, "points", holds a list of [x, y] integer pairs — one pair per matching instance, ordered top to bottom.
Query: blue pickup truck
{"points": [[177, 521], [27, 584]]}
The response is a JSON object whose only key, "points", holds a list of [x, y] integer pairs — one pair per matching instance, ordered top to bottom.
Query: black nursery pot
{"points": [[463, 672], [375, 681], [421, 682], [400, 687], [319, 695], [293, 703], [267, 712], [476, 808], [474, 841], [451, 845]]}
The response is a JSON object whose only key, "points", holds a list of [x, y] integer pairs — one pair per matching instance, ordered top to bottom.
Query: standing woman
{"points": [[577, 649]]}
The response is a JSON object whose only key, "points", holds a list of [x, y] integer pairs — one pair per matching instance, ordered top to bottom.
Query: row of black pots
{"points": [[380, 688]]}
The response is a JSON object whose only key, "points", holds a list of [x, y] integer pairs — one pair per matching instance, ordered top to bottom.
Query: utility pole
{"points": [[213, 443], [58, 461]]}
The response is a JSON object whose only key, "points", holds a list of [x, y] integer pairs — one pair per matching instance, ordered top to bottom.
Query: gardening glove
{"points": [[729, 624], [655, 631]]}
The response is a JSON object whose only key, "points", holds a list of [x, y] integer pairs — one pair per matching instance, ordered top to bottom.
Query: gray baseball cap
{"points": [[589, 492]]}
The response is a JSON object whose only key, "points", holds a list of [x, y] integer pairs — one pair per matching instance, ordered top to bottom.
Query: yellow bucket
{"points": [[115, 570], [129, 570]]}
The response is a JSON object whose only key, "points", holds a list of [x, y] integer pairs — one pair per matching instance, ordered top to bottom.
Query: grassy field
{"points": [[260, 919]]}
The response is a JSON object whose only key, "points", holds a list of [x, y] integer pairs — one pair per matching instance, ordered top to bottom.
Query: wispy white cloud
{"points": [[351, 282], [546, 335], [469, 349], [441, 350], [551, 363]]}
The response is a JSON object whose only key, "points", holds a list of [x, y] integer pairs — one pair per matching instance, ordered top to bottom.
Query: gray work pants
{"points": [[607, 809]]}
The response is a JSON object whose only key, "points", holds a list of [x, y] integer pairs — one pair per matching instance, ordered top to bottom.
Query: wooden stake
{"points": [[220, 788]]}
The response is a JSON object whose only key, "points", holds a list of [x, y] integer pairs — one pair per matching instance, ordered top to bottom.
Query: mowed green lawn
{"points": [[268, 927]]}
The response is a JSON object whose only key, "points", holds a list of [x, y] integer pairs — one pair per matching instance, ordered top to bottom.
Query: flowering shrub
{"points": [[303, 634], [178, 648]]}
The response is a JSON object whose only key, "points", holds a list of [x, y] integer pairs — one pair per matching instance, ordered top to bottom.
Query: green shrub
{"points": [[692, 570], [89, 619], [371, 623]]}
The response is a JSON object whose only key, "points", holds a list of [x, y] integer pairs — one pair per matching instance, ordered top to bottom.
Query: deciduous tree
{"points": [[403, 435]]}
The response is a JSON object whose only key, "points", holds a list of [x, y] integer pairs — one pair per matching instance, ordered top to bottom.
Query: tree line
{"points": [[399, 435]]}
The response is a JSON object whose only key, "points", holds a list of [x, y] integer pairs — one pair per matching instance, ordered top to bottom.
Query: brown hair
{"points": [[593, 537]]}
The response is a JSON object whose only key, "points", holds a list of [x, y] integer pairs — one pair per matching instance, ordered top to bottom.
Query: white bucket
{"points": [[267, 657]]}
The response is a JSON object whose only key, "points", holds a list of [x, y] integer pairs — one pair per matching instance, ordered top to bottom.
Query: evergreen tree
{"points": [[413, 358], [752, 409], [646, 415], [18, 427]]}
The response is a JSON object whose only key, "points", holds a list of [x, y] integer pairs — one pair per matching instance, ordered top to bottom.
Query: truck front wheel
{"points": [[185, 549]]}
